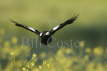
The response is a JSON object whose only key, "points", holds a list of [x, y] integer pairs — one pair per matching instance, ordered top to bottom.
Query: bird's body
{"points": [[46, 36]]}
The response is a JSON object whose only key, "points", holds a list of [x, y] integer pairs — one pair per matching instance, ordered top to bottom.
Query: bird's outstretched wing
{"points": [[69, 21], [26, 27]]}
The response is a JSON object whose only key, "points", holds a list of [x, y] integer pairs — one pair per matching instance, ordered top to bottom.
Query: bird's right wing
{"points": [[26, 27]]}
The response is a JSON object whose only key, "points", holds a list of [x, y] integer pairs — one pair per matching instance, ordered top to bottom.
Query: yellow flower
{"points": [[14, 40], [81, 43], [68, 50], [88, 50], [98, 51], [12, 53], [34, 55], [32, 64], [48, 65], [40, 67], [24, 69]]}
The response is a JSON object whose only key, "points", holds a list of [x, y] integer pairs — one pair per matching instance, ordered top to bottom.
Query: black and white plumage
{"points": [[46, 36]]}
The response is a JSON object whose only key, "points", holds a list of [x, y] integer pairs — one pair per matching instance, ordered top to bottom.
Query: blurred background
{"points": [[43, 15], [90, 29]]}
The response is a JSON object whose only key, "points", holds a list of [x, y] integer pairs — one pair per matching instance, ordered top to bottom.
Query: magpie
{"points": [[46, 36]]}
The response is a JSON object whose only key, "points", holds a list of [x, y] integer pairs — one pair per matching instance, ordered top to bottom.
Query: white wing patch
{"points": [[55, 27], [31, 28], [47, 33], [41, 34]]}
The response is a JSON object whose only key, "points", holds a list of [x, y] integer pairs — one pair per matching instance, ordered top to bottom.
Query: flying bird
{"points": [[46, 36]]}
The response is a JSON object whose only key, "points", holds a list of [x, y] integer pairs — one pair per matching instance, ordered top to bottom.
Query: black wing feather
{"points": [[69, 21], [26, 27]]}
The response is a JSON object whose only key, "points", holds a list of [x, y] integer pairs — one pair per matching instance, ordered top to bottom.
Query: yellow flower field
{"points": [[15, 57]]}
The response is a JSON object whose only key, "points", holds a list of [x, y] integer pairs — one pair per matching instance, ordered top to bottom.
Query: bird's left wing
{"points": [[69, 21], [26, 27]]}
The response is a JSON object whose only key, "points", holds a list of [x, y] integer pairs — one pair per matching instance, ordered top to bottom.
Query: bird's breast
{"points": [[46, 39]]}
